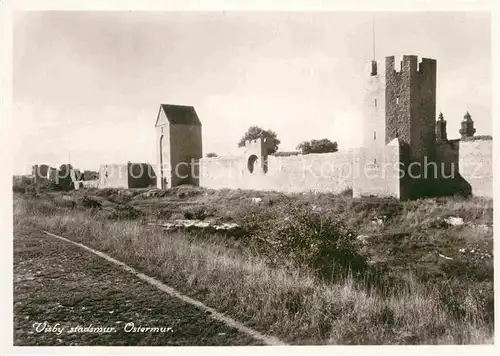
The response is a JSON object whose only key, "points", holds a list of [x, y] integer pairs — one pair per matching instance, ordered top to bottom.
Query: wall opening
{"points": [[397, 99], [375, 102], [374, 135], [251, 163]]}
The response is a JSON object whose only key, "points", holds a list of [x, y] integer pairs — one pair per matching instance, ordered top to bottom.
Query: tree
{"points": [[255, 132], [318, 146], [211, 154]]}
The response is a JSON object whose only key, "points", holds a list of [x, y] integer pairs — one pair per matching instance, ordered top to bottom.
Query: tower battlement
{"points": [[410, 64], [371, 68], [260, 146]]}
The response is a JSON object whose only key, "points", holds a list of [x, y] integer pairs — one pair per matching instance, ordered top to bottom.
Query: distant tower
{"points": [[411, 104], [467, 126], [441, 134], [179, 146]]}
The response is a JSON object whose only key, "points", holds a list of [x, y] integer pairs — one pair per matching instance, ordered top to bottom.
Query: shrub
{"points": [[20, 185], [106, 192], [91, 203], [126, 212], [197, 213], [305, 238]]}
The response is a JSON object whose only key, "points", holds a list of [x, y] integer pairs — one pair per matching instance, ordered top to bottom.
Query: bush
{"points": [[20, 185], [91, 203], [126, 212], [197, 213], [305, 238]]}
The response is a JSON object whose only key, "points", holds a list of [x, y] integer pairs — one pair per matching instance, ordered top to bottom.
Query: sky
{"points": [[87, 85]]}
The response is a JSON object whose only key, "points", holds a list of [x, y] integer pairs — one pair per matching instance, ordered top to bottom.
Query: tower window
{"points": [[397, 99], [375, 102], [374, 135], [374, 161]]}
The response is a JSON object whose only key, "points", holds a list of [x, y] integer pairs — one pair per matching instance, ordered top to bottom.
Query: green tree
{"points": [[255, 132], [318, 146]]}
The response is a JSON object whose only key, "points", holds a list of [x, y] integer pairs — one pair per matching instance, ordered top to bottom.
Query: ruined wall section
{"points": [[476, 165], [141, 175], [113, 176]]}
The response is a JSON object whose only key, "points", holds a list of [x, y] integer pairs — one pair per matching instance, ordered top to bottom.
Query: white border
{"points": [[7, 7]]}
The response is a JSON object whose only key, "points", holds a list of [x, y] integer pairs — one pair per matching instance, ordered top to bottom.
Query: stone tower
{"points": [[400, 104], [411, 104], [374, 111], [399, 113], [467, 126], [441, 134], [179, 146], [256, 153]]}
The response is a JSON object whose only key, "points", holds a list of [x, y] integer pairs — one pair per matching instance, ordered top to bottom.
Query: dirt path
{"points": [[62, 286]]}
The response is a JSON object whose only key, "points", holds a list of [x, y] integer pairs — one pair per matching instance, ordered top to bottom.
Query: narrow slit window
{"points": [[397, 99], [375, 102], [374, 135], [374, 161]]}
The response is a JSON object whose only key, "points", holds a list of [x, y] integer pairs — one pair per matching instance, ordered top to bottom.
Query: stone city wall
{"points": [[475, 163], [327, 172]]}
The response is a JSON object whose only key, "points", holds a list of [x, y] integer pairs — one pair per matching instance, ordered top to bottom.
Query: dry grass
{"points": [[291, 304]]}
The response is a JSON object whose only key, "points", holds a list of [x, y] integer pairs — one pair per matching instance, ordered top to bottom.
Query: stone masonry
{"points": [[401, 136]]}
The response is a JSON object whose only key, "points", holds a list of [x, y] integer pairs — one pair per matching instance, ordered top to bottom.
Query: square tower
{"points": [[410, 104], [399, 128], [178, 136]]}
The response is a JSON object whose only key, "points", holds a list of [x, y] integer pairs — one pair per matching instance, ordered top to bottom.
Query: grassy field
{"points": [[308, 268], [60, 286]]}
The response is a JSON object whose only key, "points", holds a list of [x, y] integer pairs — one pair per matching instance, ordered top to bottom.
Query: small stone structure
{"points": [[406, 153], [130, 175]]}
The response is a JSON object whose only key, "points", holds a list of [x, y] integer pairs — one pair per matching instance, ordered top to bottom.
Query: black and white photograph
{"points": [[224, 177]]}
